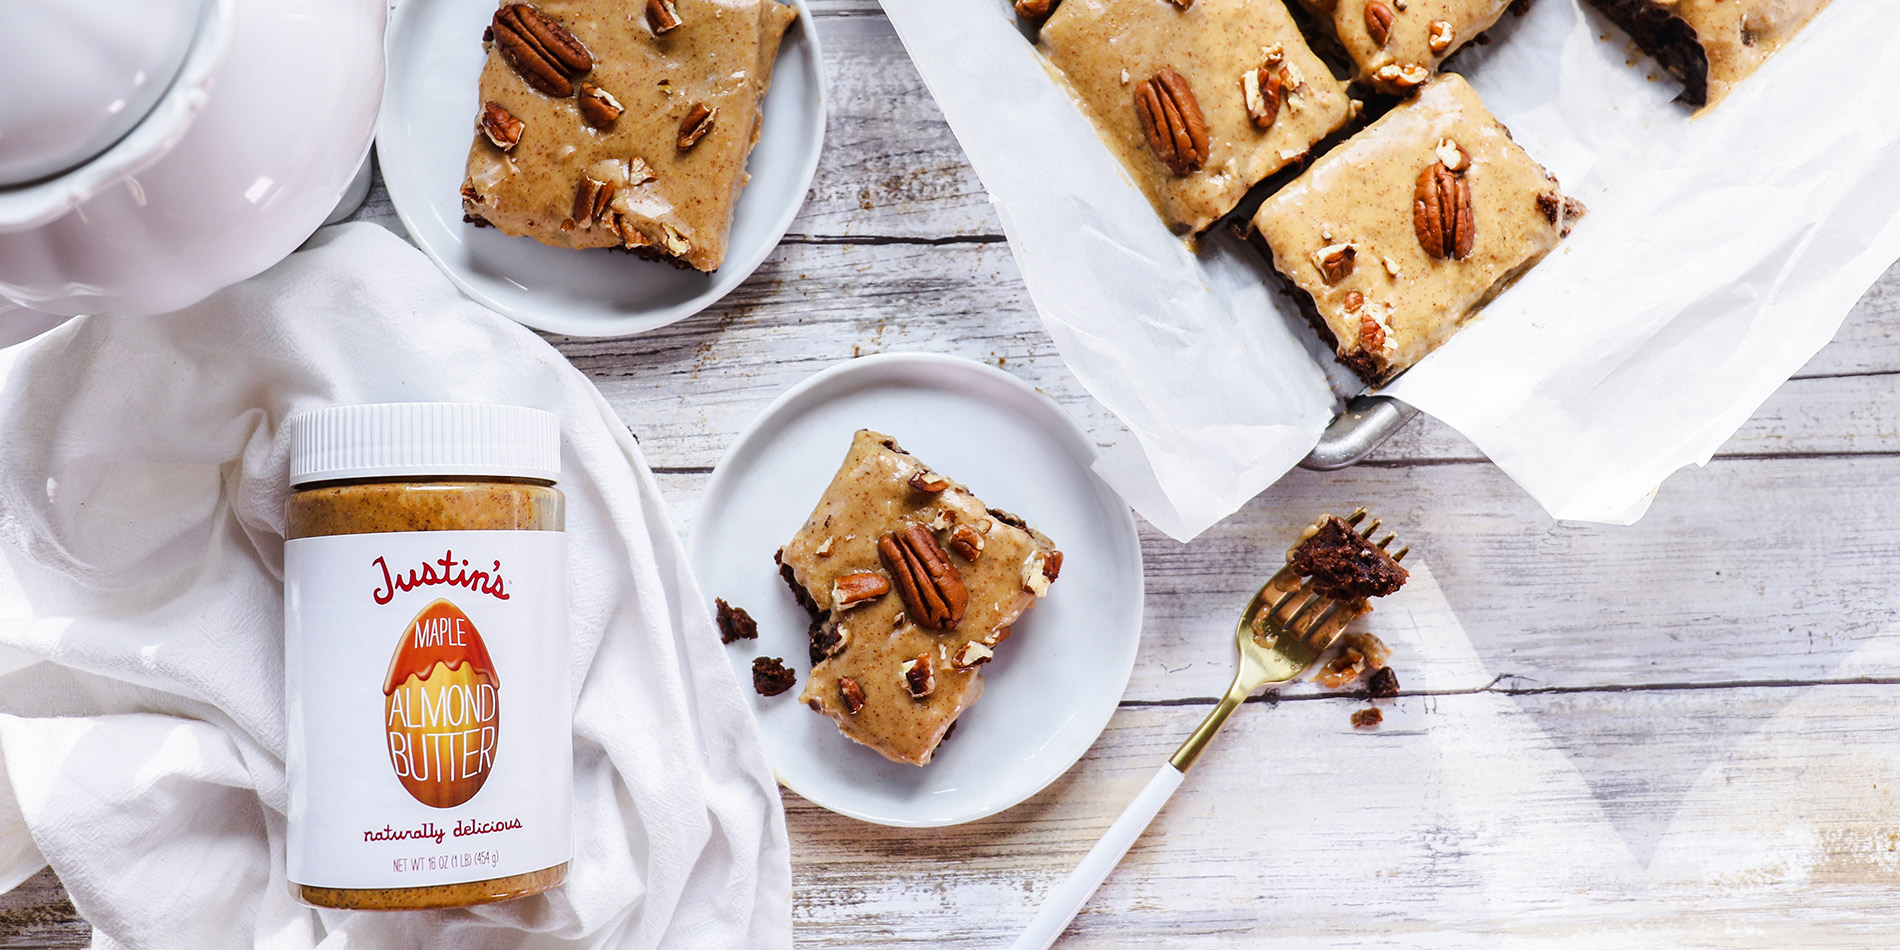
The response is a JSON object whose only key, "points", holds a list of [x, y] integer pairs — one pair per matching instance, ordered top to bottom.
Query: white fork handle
{"points": [[1067, 901]]}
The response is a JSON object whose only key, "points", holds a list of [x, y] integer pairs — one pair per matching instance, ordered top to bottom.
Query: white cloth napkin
{"points": [[142, 468]]}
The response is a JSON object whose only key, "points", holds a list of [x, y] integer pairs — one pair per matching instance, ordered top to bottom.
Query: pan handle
{"points": [[1367, 422]]}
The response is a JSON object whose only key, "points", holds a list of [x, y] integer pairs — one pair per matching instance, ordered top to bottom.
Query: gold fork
{"points": [[1282, 633]]}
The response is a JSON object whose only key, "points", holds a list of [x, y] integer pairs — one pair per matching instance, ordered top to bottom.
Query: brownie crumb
{"points": [[1344, 565], [734, 623], [770, 677], [1384, 683], [1367, 718]]}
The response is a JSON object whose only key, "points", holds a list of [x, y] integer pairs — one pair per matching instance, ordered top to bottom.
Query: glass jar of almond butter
{"points": [[426, 663]]}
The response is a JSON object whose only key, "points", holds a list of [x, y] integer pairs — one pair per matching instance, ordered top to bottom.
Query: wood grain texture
{"points": [[1673, 734]]}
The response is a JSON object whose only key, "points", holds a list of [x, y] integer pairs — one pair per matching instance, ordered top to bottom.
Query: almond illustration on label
{"points": [[441, 707]]}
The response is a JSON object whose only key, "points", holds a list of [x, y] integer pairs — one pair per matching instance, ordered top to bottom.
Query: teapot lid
{"points": [[80, 75]]}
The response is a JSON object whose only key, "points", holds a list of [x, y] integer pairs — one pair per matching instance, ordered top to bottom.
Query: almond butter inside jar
{"points": [[427, 692]]}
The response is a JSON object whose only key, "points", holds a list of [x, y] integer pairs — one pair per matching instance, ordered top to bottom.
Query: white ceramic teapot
{"points": [[154, 151]]}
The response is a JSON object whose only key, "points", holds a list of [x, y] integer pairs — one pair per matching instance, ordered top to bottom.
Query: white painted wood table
{"points": [[1681, 733]]}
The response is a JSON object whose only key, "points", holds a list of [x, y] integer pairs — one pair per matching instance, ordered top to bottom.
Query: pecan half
{"points": [[663, 16], [1378, 22], [540, 49], [1261, 90], [597, 106], [1171, 119], [697, 122], [500, 125], [591, 201], [1441, 213], [929, 483], [966, 542], [931, 586], [852, 589], [972, 655], [919, 678], [851, 693]]}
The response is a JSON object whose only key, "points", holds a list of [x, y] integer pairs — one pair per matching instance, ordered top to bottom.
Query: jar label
{"points": [[428, 707]]}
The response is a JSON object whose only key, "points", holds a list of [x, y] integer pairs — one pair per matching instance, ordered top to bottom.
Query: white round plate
{"points": [[422, 140], [1051, 688]]}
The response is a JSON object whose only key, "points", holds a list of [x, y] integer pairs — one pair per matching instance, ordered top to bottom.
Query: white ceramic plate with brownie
{"points": [[470, 136], [964, 591]]}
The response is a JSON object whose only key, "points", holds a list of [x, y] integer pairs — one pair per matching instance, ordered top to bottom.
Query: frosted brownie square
{"points": [[1710, 44], [1396, 45], [1198, 103], [621, 123], [1393, 239], [912, 583]]}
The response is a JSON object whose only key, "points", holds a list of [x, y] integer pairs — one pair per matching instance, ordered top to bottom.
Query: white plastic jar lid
{"points": [[411, 439]]}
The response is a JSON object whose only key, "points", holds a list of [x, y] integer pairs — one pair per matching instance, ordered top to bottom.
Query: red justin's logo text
{"points": [[443, 570]]}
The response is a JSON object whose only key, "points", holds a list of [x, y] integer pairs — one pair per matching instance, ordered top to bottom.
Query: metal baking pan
{"points": [[1353, 434]]}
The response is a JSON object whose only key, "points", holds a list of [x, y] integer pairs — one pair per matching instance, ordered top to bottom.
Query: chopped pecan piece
{"points": [[1035, 10], [663, 16], [1378, 22], [1441, 36], [539, 49], [1403, 75], [1261, 90], [597, 106], [1171, 119], [501, 126], [694, 126], [1452, 155], [592, 200], [1441, 213], [1336, 261], [1354, 300], [1371, 334], [929, 483], [966, 542], [1052, 565], [932, 587], [852, 589], [972, 655], [919, 678], [851, 693], [1368, 718]]}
